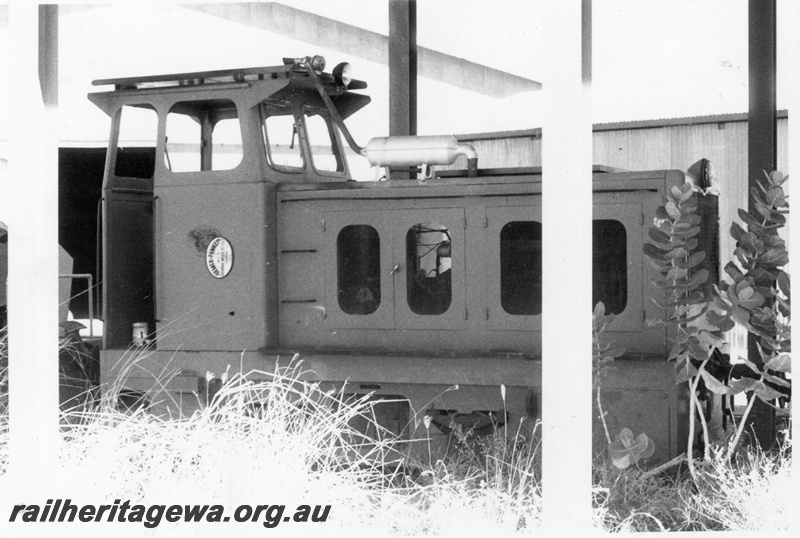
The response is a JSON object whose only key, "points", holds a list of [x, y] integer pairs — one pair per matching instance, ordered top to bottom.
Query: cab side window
{"points": [[136, 145], [358, 249], [609, 265], [521, 268], [429, 275]]}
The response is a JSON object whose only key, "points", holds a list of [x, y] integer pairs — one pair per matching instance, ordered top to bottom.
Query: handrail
{"points": [[90, 280]]}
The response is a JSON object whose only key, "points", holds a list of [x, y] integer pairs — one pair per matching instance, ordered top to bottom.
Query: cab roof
{"points": [[252, 84]]}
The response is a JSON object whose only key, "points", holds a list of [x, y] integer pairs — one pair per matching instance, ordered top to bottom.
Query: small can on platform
{"points": [[140, 334]]}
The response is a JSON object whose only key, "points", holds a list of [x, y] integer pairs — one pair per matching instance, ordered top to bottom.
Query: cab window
{"points": [[203, 136], [281, 137], [136, 145], [325, 152], [358, 252], [609, 265], [521, 268], [429, 277]]}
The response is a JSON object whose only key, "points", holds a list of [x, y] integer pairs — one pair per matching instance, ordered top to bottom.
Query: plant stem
{"points": [[692, 399], [603, 415], [704, 424], [733, 444], [677, 460]]}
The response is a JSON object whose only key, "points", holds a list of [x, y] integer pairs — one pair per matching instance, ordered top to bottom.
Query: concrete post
{"points": [[567, 220], [33, 247]]}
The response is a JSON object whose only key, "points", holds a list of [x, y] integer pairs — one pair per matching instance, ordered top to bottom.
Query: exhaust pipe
{"points": [[395, 151]]}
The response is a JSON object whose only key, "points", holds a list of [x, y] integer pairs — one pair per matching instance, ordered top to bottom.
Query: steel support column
{"points": [[402, 70], [762, 144]]}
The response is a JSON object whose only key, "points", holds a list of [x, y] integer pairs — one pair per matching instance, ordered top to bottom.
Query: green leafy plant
{"points": [[673, 250], [758, 296], [701, 314], [623, 450], [626, 450]]}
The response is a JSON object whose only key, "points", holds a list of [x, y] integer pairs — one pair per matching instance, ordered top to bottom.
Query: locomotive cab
{"points": [[207, 147]]}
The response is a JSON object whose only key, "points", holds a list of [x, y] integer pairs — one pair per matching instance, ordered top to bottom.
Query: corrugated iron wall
{"points": [[672, 144], [653, 145]]}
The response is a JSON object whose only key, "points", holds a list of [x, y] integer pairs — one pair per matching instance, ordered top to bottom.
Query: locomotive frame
{"points": [[425, 293]]}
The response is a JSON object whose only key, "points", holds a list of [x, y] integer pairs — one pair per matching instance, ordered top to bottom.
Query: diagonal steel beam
{"points": [[371, 46]]}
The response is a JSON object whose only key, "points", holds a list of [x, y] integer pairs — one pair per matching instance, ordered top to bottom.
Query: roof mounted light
{"points": [[317, 62], [342, 74]]}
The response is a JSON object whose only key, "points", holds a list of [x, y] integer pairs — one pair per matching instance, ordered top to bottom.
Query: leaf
{"points": [[776, 177], [676, 192], [686, 194], [755, 194], [775, 196], [762, 208], [672, 210], [691, 218], [747, 218], [777, 218], [736, 231], [687, 232], [658, 236], [750, 242], [654, 252], [679, 252], [774, 257], [693, 260], [734, 271], [677, 273], [697, 278], [784, 283], [747, 297], [599, 309], [722, 322], [781, 363], [750, 364], [686, 372], [776, 380], [712, 383], [741, 385], [766, 393], [625, 437], [625, 450]]}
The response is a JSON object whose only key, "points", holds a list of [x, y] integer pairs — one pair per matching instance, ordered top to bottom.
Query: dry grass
{"points": [[3, 376], [269, 439], [753, 494]]}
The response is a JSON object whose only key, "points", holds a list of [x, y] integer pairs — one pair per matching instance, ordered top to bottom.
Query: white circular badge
{"points": [[219, 257]]}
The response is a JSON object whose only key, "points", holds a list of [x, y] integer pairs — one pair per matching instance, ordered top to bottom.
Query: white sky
{"points": [[652, 58]]}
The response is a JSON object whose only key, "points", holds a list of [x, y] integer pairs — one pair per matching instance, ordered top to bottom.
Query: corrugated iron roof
{"points": [[536, 132]]}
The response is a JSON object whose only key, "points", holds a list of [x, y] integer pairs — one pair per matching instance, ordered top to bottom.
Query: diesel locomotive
{"points": [[237, 236]]}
